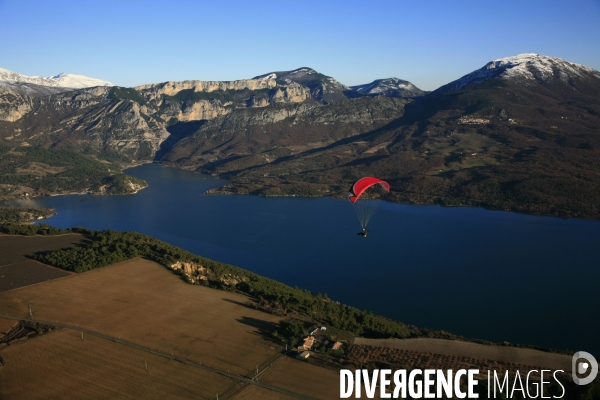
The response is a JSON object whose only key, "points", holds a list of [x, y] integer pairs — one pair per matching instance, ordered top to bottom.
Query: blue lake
{"points": [[481, 274]]}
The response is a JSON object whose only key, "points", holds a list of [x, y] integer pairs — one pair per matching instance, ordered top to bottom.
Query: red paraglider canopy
{"points": [[363, 184]]}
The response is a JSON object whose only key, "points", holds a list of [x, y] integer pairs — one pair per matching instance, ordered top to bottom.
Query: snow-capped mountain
{"points": [[525, 68], [64, 80], [391, 87]]}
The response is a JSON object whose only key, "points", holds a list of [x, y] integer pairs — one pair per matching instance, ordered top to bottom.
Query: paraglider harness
{"points": [[363, 233]]}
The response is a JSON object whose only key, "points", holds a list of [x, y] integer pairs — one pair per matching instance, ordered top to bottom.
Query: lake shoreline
{"points": [[234, 189]]}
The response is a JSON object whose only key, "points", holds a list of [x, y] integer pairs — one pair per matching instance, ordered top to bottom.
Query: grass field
{"points": [[16, 270], [142, 302], [61, 365], [304, 378]]}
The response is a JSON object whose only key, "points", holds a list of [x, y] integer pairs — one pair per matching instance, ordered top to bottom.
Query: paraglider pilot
{"points": [[364, 196]]}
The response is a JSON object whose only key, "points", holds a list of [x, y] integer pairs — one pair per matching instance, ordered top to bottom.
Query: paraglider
{"points": [[365, 196]]}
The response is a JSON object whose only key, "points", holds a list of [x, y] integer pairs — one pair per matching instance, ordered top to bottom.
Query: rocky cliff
{"points": [[13, 106], [98, 120], [143, 123]]}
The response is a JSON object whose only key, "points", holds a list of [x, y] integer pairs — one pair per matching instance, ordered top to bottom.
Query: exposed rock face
{"points": [[322, 88], [155, 91], [290, 93], [198, 100], [13, 106], [194, 111], [86, 119], [192, 272], [195, 273]]}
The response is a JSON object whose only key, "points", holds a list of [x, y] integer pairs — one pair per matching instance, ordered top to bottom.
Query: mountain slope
{"points": [[528, 69], [519, 134], [248, 138], [522, 139]]}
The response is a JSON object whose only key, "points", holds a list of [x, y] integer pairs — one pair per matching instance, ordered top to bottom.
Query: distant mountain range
{"points": [[72, 81], [322, 87], [521, 133]]}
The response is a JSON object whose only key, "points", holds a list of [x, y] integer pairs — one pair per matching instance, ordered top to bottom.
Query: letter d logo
{"points": [[582, 367]]}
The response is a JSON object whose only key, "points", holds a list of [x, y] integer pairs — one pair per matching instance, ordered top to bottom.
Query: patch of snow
{"points": [[307, 71], [271, 76], [74, 81], [384, 85]]}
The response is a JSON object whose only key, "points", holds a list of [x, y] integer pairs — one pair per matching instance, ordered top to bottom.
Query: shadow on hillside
{"points": [[177, 132], [239, 303], [263, 328]]}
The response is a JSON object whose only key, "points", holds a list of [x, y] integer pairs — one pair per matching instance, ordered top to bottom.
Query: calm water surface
{"points": [[486, 274]]}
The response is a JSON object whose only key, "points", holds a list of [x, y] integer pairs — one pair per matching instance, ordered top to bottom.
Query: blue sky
{"points": [[429, 43]]}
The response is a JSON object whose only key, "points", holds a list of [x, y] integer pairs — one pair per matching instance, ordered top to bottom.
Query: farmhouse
{"points": [[308, 343], [336, 346], [303, 356]]}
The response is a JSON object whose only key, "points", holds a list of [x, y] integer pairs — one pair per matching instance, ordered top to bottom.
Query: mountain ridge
{"points": [[513, 135]]}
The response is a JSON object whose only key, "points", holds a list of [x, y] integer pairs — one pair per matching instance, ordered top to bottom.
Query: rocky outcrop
{"points": [[290, 93], [198, 100], [13, 106], [191, 272], [197, 274]]}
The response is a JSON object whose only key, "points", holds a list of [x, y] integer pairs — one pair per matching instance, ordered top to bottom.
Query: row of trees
{"points": [[32, 230]]}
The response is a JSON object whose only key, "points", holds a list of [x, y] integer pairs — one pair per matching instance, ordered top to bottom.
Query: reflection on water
{"points": [[478, 273]]}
